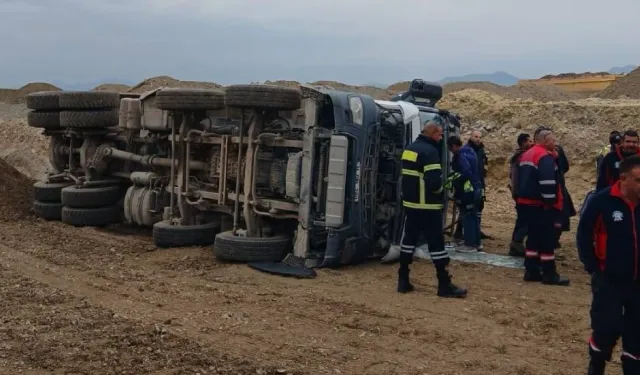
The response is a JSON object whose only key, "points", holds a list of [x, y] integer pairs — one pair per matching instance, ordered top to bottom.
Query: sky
{"points": [[351, 41]]}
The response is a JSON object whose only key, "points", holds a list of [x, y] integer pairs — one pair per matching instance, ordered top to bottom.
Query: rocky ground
{"points": [[106, 301]]}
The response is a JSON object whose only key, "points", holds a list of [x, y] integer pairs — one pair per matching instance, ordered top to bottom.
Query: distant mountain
{"points": [[622, 69], [499, 78], [89, 85]]}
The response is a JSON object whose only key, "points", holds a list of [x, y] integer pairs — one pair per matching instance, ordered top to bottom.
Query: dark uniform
{"points": [[609, 172], [422, 198], [540, 201], [608, 244]]}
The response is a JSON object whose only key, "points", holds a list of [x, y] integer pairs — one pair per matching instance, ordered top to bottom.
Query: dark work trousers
{"points": [[429, 224], [520, 229], [541, 239], [615, 312]]}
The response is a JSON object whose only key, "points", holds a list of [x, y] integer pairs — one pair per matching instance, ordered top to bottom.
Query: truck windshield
{"points": [[427, 116]]}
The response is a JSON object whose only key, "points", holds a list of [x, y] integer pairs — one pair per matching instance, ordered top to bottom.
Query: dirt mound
{"points": [[575, 75], [166, 81], [628, 86], [35, 87], [113, 87], [581, 125], [15, 193]]}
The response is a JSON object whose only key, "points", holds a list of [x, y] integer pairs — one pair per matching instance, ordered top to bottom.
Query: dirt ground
{"points": [[106, 301]]}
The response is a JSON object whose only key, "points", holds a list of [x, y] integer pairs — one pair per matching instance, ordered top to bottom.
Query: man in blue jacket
{"points": [[467, 186], [609, 244]]}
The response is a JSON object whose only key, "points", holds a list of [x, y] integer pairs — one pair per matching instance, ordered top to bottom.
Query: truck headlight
{"points": [[357, 113]]}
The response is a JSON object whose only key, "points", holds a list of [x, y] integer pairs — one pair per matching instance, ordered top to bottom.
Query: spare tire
{"points": [[262, 97], [171, 99], [43, 100], [89, 100], [99, 118], [44, 119], [91, 197], [167, 235], [234, 248]]}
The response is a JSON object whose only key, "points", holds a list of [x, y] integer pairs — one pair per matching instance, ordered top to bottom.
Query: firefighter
{"points": [[615, 138], [609, 173], [423, 198], [540, 199], [608, 245], [516, 248]]}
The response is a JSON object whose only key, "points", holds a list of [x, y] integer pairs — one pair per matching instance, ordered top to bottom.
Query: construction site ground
{"points": [[106, 301]]}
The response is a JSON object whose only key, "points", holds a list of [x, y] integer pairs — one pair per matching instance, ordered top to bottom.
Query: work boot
{"points": [[516, 249], [532, 276], [551, 277], [404, 285], [447, 289], [597, 367]]}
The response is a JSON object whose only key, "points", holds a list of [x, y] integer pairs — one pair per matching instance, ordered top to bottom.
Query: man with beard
{"points": [[615, 138], [610, 168], [516, 247]]}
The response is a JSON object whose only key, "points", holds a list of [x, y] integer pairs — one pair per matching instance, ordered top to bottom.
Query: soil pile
{"points": [[575, 75], [166, 81], [628, 86], [112, 87], [12, 96], [581, 125], [15, 193]]}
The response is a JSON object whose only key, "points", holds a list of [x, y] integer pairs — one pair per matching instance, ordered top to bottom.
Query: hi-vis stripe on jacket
{"points": [[421, 176], [538, 179]]}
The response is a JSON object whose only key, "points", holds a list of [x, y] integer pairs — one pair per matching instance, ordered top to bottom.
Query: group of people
{"points": [[608, 238]]}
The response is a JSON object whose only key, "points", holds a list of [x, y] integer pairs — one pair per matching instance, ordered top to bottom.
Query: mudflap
{"points": [[290, 266]]}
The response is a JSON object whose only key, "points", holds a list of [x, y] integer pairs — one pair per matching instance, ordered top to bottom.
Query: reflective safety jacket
{"points": [[422, 175], [539, 182]]}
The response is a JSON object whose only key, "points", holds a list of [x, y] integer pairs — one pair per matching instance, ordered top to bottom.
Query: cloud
{"points": [[355, 41]]}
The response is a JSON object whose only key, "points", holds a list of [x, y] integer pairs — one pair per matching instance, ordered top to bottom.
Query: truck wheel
{"points": [[262, 96], [171, 99], [44, 100], [89, 100], [99, 118], [44, 119], [48, 191], [91, 197], [47, 210], [91, 217], [167, 235], [234, 248]]}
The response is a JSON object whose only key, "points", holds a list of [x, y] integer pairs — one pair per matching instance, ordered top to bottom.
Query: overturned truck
{"points": [[259, 171]]}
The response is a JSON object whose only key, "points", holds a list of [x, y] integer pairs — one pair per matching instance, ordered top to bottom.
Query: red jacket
{"points": [[538, 179]]}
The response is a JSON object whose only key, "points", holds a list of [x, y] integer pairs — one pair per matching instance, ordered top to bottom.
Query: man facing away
{"points": [[615, 138], [609, 169], [467, 188], [540, 199], [423, 201], [608, 246], [516, 247]]}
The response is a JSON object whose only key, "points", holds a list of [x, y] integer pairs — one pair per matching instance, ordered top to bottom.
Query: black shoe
{"points": [[516, 249], [531, 276], [555, 279], [404, 286], [451, 291], [597, 367]]}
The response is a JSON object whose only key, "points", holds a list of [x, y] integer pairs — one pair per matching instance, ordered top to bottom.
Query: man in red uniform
{"points": [[609, 172], [540, 199], [608, 245]]}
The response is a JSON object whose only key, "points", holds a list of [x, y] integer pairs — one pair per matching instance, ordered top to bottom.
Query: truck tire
{"points": [[263, 97], [171, 99], [44, 100], [89, 100], [99, 118], [44, 119], [48, 191], [91, 197], [48, 210], [91, 217], [166, 235], [233, 248]]}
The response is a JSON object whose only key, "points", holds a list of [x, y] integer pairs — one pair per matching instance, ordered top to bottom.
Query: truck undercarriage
{"points": [[259, 171]]}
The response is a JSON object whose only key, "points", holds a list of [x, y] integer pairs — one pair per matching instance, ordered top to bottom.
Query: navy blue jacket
{"points": [[465, 162], [422, 175], [607, 238]]}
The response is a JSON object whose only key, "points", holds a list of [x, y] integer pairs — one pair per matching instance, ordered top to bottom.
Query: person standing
{"points": [[615, 138], [475, 141], [609, 173], [467, 192], [540, 199], [423, 202], [568, 209], [608, 246], [516, 248]]}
